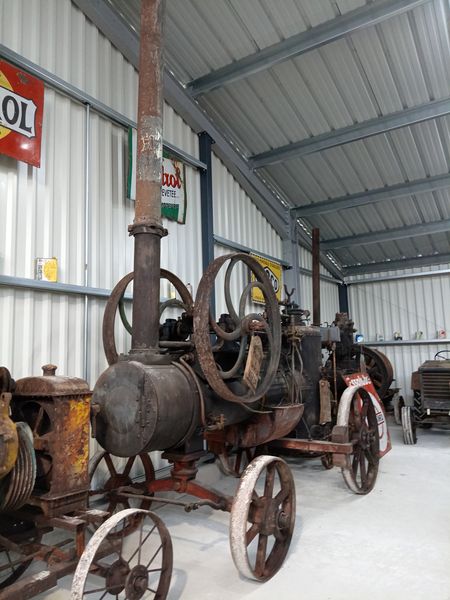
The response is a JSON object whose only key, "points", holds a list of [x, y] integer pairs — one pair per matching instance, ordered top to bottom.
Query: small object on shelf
{"points": [[46, 269], [441, 334], [397, 335], [418, 335], [379, 337], [359, 338]]}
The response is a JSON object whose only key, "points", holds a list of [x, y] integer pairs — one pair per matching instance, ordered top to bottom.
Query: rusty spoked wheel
{"points": [[116, 301], [245, 329], [379, 368], [357, 421], [233, 461], [108, 473], [262, 518], [14, 562], [113, 565]]}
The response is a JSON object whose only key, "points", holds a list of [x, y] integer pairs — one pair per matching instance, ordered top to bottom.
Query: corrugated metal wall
{"points": [[408, 306]]}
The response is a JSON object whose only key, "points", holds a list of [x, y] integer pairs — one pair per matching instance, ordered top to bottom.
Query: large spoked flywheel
{"points": [[256, 337]]}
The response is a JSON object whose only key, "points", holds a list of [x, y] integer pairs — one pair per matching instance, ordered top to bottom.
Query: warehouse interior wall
{"points": [[75, 208], [416, 307]]}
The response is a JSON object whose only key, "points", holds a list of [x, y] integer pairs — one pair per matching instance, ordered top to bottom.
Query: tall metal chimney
{"points": [[147, 226]]}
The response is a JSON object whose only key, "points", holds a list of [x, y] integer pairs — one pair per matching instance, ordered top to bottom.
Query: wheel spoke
{"points": [[355, 459], [110, 464], [362, 464], [128, 466], [270, 480], [281, 496], [251, 533], [143, 542], [261, 555], [153, 557]]}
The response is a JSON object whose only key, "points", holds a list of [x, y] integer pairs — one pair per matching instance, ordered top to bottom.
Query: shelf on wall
{"points": [[406, 342]]}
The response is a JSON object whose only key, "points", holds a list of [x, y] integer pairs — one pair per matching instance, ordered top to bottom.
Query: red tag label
{"points": [[21, 110], [362, 379]]}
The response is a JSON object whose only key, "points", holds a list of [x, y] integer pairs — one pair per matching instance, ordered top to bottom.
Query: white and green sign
{"points": [[173, 182]]}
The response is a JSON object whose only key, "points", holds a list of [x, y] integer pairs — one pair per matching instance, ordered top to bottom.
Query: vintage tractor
{"points": [[430, 385]]}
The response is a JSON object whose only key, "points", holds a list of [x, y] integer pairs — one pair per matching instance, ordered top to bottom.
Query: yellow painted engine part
{"points": [[9, 441]]}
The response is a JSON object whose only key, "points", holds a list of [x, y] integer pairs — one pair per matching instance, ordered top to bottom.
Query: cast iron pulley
{"points": [[116, 300], [244, 328], [262, 518]]}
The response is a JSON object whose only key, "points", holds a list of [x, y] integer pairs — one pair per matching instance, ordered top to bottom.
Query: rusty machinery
{"points": [[238, 382], [430, 404], [44, 490]]}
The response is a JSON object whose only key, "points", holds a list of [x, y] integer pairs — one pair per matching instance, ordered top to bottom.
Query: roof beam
{"points": [[330, 31], [352, 133], [399, 190], [387, 235], [394, 265]]}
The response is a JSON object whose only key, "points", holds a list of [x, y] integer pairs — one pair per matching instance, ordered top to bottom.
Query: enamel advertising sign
{"points": [[21, 110], [173, 182], [274, 272], [383, 432]]}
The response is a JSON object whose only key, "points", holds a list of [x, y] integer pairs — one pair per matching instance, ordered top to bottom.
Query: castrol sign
{"points": [[21, 109]]}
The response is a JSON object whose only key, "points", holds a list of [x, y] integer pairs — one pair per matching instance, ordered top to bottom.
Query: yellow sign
{"points": [[274, 272]]}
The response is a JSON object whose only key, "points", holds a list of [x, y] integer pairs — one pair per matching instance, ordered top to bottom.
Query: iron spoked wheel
{"points": [[116, 301], [245, 329], [379, 368], [357, 424], [408, 426], [233, 461], [327, 461], [107, 473], [262, 518], [13, 564], [113, 565]]}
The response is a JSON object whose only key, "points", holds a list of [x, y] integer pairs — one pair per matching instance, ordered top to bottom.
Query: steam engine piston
{"points": [[139, 408]]}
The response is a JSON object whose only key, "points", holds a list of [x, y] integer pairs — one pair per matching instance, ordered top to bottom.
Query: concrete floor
{"points": [[393, 544]]}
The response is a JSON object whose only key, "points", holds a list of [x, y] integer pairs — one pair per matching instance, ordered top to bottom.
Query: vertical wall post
{"points": [[206, 199], [206, 203], [87, 245], [316, 275], [343, 298]]}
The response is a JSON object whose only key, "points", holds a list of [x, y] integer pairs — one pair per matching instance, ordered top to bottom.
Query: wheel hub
{"points": [[116, 577], [137, 582]]}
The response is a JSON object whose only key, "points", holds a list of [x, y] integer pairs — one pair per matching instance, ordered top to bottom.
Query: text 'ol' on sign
{"points": [[21, 110], [274, 272]]}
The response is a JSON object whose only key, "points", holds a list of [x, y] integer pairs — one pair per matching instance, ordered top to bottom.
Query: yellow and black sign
{"points": [[274, 272]]}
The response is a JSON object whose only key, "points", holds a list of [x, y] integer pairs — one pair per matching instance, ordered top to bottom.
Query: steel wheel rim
{"points": [[362, 465], [279, 523], [121, 575]]}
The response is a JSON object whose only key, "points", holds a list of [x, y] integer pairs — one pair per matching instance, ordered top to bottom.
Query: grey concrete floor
{"points": [[392, 544]]}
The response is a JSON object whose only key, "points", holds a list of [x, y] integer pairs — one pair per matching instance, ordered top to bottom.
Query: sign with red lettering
{"points": [[21, 110], [173, 186], [362, 379]]}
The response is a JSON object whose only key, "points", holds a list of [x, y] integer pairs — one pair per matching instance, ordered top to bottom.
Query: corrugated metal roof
{"points": [[399, 63]]}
